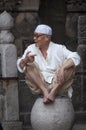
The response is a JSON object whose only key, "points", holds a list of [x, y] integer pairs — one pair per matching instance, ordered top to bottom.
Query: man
{"points": [[48, 67]]}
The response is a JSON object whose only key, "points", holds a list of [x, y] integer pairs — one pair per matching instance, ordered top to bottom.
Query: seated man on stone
{"points": [[48, 66]]}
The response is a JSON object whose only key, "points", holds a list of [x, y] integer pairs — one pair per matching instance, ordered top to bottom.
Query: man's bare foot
{"points": [[53, 91], [51, 96], [45, 98]]}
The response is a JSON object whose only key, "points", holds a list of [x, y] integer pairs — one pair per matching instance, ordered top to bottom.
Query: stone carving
{"points": [[9, 4], [76, 5], [6, 21], [6, 37], [9, 115]]}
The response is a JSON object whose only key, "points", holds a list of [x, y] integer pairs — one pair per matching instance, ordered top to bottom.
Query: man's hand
{"points": [[29, 57]]}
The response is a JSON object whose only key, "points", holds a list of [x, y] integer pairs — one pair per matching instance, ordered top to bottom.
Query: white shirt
{"points": [[56, 53]]}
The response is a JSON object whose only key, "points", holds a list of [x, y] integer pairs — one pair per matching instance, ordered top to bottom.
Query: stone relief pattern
{"points": [[9, 4], [76, 5]]}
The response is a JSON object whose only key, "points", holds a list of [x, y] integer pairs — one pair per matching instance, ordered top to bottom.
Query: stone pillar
{"points": [[82, 38], [82, 51], [9, 83]]}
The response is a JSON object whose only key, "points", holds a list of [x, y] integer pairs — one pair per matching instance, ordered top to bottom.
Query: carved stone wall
{"points": [[9, 4], [76, 5], [75, 8], [76, 35], [9, 105]]}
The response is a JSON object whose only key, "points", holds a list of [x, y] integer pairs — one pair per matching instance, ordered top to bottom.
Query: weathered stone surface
{"points": [[9, 4], [29, 5], [76, 5], [6, 20], [25, 24], [71, 25], [82, 27], [71, 31], [6, 37], [82, 39], [82, 51], [8, 60], [79, 89], [1, 107], [11, 107], [55, 116], [12, 125]]}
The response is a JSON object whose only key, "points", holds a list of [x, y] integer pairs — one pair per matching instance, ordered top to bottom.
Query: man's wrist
{"points": [[22, 63], [25, 63], [30, 63]]}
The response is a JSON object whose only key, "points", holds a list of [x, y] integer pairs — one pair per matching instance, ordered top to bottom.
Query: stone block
{"points": [[29, 5], [74, 5], [6, 20], [82, 26], [6, 37], [81, 40], [82, 51], [8, 60], [11, 106], [1, 107], [12, 125]]}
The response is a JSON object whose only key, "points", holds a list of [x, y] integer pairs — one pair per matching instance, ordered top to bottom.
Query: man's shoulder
{"points": [[56, 44]]}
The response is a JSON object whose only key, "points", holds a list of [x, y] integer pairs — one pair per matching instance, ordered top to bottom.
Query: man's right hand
{"points": [[29, 58]]}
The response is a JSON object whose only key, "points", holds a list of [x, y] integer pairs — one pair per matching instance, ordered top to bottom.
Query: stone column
{"points": [[82, 39], [82, 52], [9, 83]]}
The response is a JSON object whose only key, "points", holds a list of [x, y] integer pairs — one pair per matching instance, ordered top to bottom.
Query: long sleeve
{"points": [[73, 55], [19, 60], [18, 66]]}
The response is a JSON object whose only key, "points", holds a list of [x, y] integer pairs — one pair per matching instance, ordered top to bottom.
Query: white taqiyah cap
{"points": [[44, 29]]}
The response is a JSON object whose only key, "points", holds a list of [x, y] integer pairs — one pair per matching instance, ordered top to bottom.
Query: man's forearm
{"points": [[22, 64], [68, 64]]}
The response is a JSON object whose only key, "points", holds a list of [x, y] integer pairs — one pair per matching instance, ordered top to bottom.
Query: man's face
{"points": [[40, 39]]}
